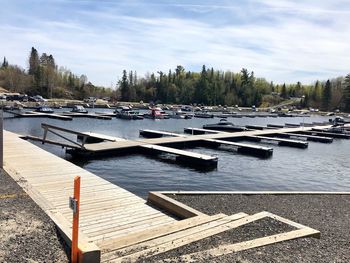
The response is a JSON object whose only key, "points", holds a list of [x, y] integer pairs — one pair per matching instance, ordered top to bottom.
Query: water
{"points": [[320, 167]]}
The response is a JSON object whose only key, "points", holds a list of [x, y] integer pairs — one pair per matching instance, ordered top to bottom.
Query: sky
{"points": [[282, 41]]}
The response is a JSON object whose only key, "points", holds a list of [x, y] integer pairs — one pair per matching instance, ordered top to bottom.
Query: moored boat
{"points": [[44, 109], [79, 109], [156, 113], [128, 114], [179, 114], [203, 115], [224, 125]]}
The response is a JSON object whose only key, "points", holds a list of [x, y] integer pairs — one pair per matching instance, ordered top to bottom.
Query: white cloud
{"points": [[311, 44]]}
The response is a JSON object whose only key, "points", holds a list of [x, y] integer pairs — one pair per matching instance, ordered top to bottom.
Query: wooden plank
{"points": [[157, 134], [179, 152], [172, 206], [101, 230], [128, 231], [143, 236], [172, 241], [233, 248]]}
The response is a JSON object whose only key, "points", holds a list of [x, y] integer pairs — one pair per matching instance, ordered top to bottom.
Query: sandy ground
{"points": [[26, 232]]}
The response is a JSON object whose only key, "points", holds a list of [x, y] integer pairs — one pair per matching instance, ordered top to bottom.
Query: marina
{"points": [[171, 172], [117, 225]]}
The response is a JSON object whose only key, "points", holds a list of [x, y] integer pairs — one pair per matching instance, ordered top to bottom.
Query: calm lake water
{"points": [[320, 167]]}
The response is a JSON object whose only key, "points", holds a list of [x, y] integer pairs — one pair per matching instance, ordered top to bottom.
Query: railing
{"points": [[51, 128]]}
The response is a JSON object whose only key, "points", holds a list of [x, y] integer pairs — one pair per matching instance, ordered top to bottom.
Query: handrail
{"points": [[49, 128]]}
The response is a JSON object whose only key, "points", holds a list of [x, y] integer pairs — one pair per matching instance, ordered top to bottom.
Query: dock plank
{"points": [[48, 179]]}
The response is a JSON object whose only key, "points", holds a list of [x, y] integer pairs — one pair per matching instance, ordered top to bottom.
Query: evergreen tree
{"points": [[33, 62], [5, 63], [124, 87], [284, 91], [347, 92], [326, 95]]}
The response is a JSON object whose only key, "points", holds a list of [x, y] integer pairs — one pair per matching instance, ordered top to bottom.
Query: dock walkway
{"points": [[107, 211]]}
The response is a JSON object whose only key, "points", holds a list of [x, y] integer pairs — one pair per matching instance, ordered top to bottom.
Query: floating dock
{"points": [[33, 114], [320, 132], [158, 134], [312, 138], [279, 141], [164, 142], [242, 148]]}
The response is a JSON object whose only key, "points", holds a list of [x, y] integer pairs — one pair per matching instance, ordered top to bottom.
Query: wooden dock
{"points": [[33, 114], [158, 134], [312, 138], [279, 141], [94, 144], [242, 148], [108, 212], [115, 225]]}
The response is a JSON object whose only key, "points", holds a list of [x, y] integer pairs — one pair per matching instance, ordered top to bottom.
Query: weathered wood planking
{"points": [[107, 211]]}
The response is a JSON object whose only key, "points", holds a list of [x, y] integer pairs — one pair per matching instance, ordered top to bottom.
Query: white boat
{"points": [[79, 109], [128, 114], [179, 114]]}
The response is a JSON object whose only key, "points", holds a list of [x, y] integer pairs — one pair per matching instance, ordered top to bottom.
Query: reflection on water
{"points": [[323, 167]]}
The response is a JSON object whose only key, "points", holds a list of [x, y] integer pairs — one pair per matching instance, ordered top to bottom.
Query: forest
{"points": [[46, 78], [207, 87], [214, 87]]}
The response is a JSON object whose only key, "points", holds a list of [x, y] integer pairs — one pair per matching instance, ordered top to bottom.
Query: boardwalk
{"points": [[107, 211]]}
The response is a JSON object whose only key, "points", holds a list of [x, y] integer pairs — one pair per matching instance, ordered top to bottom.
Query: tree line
{"points": [[46, 78], [208, 87], [215, 87]]}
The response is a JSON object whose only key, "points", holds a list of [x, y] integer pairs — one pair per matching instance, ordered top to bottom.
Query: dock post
{"points": [[1, 138], [75, 206]]}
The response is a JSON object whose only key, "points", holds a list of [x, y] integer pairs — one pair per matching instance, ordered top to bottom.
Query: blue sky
{"points": [[283, 41]]}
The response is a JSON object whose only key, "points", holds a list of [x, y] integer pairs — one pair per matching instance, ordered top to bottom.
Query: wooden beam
{"points": [[172, 206], [233, 248]]}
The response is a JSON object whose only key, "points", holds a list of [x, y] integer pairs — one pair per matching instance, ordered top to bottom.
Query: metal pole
{"points": [[1, 139], [75, 205]]}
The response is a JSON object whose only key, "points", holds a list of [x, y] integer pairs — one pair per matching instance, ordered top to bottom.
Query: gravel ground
{"points": [[330, 214], [257, 229], [26, 232]]}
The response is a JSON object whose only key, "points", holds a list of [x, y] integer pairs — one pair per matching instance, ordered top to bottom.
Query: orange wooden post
{"points": [[75, 205]]}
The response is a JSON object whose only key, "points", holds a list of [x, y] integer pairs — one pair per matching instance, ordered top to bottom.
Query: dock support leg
{"points": [[45, 135]]}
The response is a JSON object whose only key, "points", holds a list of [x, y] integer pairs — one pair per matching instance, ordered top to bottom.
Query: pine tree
{"points": [[33, 62], [5, 63], [124, 87], [284, 91], [347, 93], [326, 95]]}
